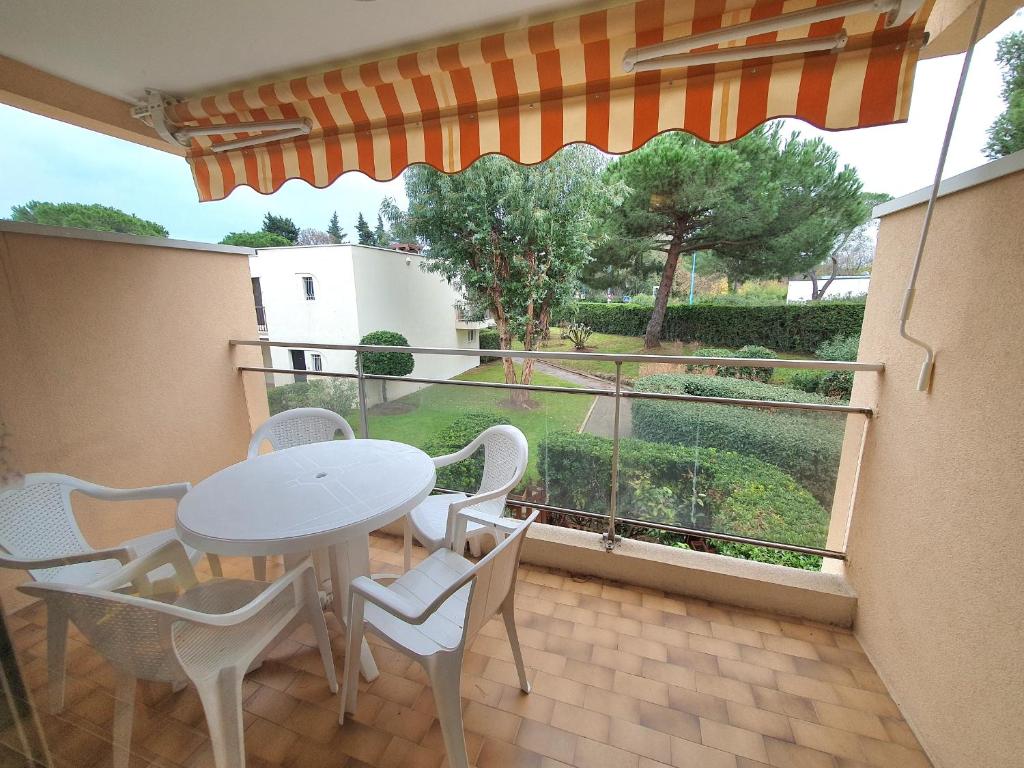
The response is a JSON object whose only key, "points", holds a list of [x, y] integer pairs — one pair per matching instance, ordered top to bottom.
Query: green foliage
{"points": [[1006, 134], [764, 206], [101, 218], [281, 225], [334, 230], [363, 232], [381, 236], [514, 236], [255, 240], [797, 328], [577, 334], [489, 340], [839, 347], [387, 363], [737, 372], [807, 380], [333, 394], [805, 445], [464, 475], [695, 488], [767, 555]]}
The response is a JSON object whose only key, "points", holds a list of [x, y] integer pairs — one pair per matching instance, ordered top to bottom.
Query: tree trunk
{"points": [[816, 294], [652, 338], [383, 390]]}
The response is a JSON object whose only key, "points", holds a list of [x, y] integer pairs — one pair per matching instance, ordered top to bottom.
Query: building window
{"points": [[307, 287], [471, 335], [317, 361], [298, 363]]}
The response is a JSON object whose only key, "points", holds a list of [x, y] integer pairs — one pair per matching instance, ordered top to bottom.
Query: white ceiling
{"points": [[183, 47]]}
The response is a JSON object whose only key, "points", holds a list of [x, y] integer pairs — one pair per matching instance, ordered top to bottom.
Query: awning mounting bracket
{"points": [[153, 111]]}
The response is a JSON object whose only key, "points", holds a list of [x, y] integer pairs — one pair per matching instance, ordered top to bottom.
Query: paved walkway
{"points": [[601, 421]]}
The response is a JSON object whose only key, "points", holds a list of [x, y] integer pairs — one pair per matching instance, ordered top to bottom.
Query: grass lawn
{"points": [[634, 345], [437, 406]]}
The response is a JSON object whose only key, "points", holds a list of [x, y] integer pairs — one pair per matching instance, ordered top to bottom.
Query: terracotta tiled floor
{"points": [[621, 677]]}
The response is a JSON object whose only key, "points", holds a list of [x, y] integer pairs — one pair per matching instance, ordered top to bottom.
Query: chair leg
{"points": [[407, 543], [215, 567], [259, 568], [508, 613], [323, 639], [353, 649], [56, 657], [445, 670], [222, 702], [124, 717]]}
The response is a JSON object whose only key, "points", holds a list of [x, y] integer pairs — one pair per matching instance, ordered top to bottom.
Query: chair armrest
{"points": [[454, 458], [170, 491], [456, 507], [506, 524], [169, 553], [120, 554], [387, 600], [246, 612]]}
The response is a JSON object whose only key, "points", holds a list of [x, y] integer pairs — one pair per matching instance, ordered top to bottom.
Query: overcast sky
{"points": [[42, 159]]}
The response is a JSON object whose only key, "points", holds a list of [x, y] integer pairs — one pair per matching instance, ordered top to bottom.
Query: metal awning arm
{"points": [[153, 111]]}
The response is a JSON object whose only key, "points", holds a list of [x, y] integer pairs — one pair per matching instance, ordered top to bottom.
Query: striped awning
{"points": [[528, 92]]}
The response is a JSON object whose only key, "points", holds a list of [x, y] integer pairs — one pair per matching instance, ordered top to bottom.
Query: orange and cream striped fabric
{"points": [[528, 92]]}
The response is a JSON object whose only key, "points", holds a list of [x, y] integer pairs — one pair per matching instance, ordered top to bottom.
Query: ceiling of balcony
{"points": [[120, 48]]}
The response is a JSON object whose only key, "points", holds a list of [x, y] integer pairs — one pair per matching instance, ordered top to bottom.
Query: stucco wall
{"points": [[115, 367], [936, 533]]}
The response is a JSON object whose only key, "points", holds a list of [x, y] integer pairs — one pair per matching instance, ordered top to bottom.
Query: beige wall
{"points": [[115, 367], [935, 547]]}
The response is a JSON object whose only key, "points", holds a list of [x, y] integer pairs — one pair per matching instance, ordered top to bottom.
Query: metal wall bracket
{"points": [[153, 111]]}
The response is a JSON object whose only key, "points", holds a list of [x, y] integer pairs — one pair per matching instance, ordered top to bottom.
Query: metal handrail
{"points": [[748, 362], [610, 537]]}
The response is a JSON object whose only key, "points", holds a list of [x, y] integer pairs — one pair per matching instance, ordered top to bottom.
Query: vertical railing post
{"points": [[362, 395], [610, 538]]}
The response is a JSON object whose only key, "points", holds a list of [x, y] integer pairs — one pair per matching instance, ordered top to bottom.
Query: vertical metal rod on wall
{"points": [[362, 395], [610, 539]]}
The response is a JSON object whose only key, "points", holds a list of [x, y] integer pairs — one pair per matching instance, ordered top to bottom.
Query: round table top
{"points": [[304, 498]]}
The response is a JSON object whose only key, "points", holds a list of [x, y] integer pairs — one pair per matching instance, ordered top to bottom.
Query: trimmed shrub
{"points": [[797, 328], [489, 340], [839, 348], [386, 363], [732, 371], [806, 379], [333, 394], [805, 445], [464, 475], [695, 488]]}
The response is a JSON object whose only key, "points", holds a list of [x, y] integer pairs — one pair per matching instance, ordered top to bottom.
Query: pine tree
{"points": [[281, 225], [335, 231], [363, 232], [381, 236]]}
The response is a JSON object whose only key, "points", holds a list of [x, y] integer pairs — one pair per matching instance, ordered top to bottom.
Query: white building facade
{"points": [[843, 287], [336, 294]]}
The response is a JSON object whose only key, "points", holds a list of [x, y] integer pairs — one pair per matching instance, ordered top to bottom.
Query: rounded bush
{"points": [[489, 339], [387, 363], [806, 445], [695, 488]]}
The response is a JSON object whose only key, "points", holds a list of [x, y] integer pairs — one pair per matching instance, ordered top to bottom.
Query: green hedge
{"points": [[788, 327], [489, 340], [732, 371], [333, 394], [806, 445], [465, 475], [734, 494]]}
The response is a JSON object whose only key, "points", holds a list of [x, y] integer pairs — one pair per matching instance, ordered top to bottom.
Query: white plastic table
{"points": [[328, 495]]}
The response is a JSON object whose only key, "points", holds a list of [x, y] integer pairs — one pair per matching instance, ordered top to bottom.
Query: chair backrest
{"points": [[299, 426], [506, 454], [36, 521], [495, 578], [128, 631]]}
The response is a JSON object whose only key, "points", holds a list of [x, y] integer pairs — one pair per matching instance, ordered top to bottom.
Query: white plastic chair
{"points": [[299, 426], [506, 454], [39, 533], [433, 611], [210, 635]]}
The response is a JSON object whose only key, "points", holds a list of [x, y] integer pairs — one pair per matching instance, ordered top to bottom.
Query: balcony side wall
{"points": [[115, 367], [936, 532]]}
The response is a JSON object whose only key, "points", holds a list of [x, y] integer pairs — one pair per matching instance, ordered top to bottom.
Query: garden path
{"points": [[601, 421]]}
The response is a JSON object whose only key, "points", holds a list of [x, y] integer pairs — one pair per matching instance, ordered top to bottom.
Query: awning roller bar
{"points": [[898, 11]]}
